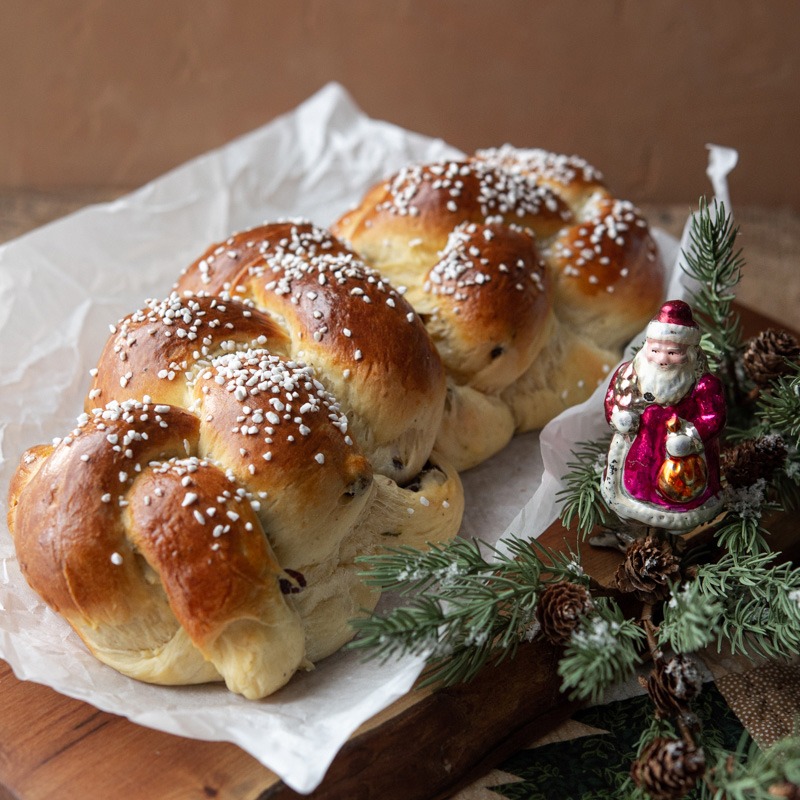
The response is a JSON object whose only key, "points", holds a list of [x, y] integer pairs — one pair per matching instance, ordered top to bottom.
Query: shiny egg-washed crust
{"points": [[529, 275], [487, 304], [362, 338], [203, 520], [104, 534]]}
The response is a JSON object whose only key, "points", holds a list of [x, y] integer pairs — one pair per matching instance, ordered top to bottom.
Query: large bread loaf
{"points": [[304, 397]]}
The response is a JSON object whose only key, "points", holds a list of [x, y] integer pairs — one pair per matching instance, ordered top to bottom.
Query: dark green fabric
{"points": [[593, 767]]}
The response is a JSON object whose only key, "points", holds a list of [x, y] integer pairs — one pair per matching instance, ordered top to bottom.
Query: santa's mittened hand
{"points": [[624, 421], [681, 444]]}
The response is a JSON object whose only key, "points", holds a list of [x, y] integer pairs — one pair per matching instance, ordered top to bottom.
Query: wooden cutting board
{"points": [[53, 746], [424, 746]]}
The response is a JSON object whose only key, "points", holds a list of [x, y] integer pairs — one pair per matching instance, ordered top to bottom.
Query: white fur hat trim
{"points": [[665, 332]]}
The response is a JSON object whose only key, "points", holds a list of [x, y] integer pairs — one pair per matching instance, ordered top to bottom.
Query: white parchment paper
{"points": [[62, 285]]}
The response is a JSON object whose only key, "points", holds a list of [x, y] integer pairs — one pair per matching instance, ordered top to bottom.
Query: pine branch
{"points": [[716, 266], [779, 408], [778, 411], [787, 482], [581, 497], [741, 532], [406, 569], [748, 601], [466, 604], [760, 604], [472, 611], [691, 619], [409, 630], [603, 650], [656, 728], [753, 774]]}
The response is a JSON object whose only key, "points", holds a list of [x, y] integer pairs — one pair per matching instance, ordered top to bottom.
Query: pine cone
{"points": [[764, 358], [754, 459], [648, 567], [560, 608], [673, 684], [668, 769]]}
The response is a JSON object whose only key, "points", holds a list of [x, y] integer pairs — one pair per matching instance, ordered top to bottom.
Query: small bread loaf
{"points": [[528, 274]]}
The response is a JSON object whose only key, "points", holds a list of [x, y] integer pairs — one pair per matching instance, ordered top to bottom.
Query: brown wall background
{"points": [[113, 93]]}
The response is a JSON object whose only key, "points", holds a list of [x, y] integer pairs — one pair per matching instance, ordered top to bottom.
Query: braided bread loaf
{"points": [[528, 274], [287, 409], [203, 519]]}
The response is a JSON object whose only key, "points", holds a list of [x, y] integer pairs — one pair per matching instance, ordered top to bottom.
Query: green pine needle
{"points": [[716, 265], [779, 408], [787, 482], [581, 497], [741, 532], [406, 569], [465, 604], [760, 604], [463, 610], [691, 619], [602, 651], [751, 773]]}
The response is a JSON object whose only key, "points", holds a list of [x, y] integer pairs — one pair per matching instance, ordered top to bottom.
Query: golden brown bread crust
{"points": [[572, 178], [403, 223], [591, 257], [217, 270], [609, 272], [610, 275], [487, 304], [342, 318], [154, 352], [280, 433], [188, 547], [64, 551], [151, 554], [208, 579]]}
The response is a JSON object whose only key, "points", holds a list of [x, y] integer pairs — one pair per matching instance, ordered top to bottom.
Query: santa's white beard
{"points": [[668, 384]]}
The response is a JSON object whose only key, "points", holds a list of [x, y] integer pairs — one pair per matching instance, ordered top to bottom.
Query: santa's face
{"points": [[665, 353], [666, 371]]}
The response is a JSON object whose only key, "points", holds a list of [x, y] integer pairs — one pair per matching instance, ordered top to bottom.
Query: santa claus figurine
{"points": [[667, 412]]}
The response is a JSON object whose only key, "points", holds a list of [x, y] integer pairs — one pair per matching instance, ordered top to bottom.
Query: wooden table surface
{"points": [[52, 746]]}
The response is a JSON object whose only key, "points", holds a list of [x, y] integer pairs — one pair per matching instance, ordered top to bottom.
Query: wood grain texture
{"points": [[52, 746], [424, 746]]}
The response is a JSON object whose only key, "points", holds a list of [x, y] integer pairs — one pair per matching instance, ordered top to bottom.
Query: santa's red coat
{"points": [[704, 407]]}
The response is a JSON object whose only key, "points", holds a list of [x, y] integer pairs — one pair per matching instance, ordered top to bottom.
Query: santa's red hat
{"points": [[674, 323]]}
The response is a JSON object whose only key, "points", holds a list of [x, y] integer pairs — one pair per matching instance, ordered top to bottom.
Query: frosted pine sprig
{"points": [[464, 609]]}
